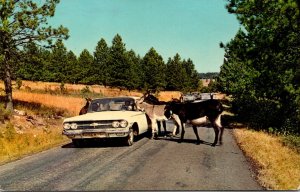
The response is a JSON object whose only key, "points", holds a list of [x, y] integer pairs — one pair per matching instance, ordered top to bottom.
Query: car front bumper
{"points": [[87, 134]]}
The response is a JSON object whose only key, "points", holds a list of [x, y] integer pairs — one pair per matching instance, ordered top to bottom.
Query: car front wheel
{"points": [[130, 138]]}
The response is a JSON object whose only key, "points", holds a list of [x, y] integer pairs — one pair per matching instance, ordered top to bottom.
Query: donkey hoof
{"points": [[213, 145]]}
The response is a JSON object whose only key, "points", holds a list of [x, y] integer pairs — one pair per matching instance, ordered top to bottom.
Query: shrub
{"points": [[19, 83], [62, 88], [85, 91], [4, 114], [258, 114], [263, 114], [291, 125], [292, 141]]}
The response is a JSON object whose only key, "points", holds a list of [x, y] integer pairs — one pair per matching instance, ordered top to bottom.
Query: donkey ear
{"points": [[145, 94]]}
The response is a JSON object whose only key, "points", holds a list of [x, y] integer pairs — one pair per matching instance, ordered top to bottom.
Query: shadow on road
{"points": [[177, 139], [102, 143]]}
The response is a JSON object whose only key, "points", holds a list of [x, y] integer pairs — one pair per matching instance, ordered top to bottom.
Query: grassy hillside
{"points": [[45, 105], [276, 159]]}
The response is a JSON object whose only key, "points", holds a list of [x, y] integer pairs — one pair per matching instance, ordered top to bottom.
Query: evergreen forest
{"points": [[107, 65], [261, 69]]}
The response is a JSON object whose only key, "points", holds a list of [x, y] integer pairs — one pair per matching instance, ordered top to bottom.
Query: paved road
{"points": [[161, 164]]}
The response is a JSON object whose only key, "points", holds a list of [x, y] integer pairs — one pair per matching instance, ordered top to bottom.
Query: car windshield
{"points": [[112, 104]]}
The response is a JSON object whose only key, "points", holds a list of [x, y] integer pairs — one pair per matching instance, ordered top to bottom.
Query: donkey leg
{"points": [[218, 123], [165, 126], [177, 126], [158, 127], [154, 128], [175, 129], [216, 129], [182, 132], [196, 133], [221, 136]]}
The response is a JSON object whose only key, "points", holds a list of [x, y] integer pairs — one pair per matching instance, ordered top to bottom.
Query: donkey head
{"points": [[88, 101]]}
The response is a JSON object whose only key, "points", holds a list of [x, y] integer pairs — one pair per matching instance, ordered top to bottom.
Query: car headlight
{"points": [[123, 123], [115, 124], [67, 126], [73, 126]]}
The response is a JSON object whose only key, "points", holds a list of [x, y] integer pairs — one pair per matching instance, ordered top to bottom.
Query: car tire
{"points": [[130, 138]]}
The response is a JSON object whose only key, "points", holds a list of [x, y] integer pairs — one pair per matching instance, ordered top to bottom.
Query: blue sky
{"points": [[192, 28]]}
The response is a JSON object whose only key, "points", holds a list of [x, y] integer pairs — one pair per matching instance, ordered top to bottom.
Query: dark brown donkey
{"points": [[84, 109], [197, 113]]}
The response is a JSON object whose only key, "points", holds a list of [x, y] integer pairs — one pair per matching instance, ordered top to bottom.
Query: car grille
{"points": [[94, 124]]}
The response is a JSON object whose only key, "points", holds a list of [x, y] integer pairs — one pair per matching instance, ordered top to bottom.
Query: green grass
{"points": [[292, 141]]}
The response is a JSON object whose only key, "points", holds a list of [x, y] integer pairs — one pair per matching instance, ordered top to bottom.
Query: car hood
{"points": [[104, 115]]}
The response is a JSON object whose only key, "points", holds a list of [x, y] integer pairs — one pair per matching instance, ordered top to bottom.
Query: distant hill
{"points": [[210, 75]]}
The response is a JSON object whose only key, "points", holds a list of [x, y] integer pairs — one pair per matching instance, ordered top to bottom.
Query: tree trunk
{"points": [[7, 71], [8, 84]]}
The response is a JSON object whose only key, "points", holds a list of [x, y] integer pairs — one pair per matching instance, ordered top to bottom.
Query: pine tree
{"points": [[23, 22], [58, 62], [101, 63], [31, 65], [118, 65], [86, 67], [70, 68], [261, 69], [154, 70], [176, 74], [192, 77], [135, 80]]}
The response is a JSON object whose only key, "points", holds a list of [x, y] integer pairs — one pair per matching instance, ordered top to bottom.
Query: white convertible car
{"points": [[107, 118]]}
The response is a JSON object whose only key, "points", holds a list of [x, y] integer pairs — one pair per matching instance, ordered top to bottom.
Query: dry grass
{"points": [[50, 86], [106, 91], [169, 95], [71, 104], [20, 137], [14, 145], [278, 165]]}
